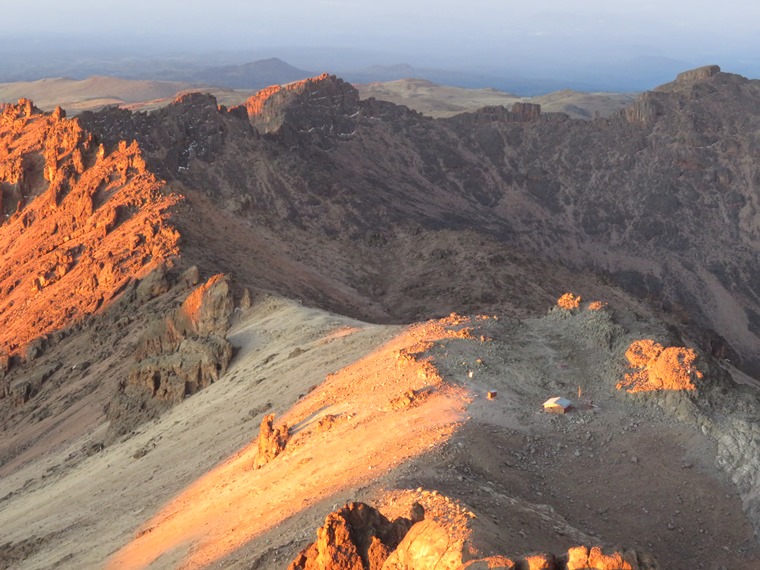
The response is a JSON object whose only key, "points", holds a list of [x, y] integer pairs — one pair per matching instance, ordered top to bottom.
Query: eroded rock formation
{"points": [[76, 224], [178, 355], [272, 441], [356, 537], [359, 537]]}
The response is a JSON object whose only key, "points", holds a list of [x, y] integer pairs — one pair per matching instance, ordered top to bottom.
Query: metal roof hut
{"points": [[557, 405]]}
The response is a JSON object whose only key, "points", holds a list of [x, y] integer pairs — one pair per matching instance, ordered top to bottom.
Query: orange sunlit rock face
{"points": [[255, 103], [75, 224], [569, 302], [659, 368], [235, 502]]}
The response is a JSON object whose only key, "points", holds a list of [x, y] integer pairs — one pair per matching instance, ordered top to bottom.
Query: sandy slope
{"points": [[182, 493], [67, 498]]}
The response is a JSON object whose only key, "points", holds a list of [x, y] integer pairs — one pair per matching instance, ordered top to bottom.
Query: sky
{"points": [[539, 36]]}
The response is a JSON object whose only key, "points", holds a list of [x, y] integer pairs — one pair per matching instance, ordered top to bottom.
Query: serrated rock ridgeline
{"points": [[78, 223]]}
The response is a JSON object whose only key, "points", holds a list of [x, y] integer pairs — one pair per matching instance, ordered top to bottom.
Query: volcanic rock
{"points": [[75, 225], [178, 355], [272, 441], [356, 537], [359, 537]]}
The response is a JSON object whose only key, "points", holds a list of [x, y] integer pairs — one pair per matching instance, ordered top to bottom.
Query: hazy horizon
{"points": [[594, 42]]}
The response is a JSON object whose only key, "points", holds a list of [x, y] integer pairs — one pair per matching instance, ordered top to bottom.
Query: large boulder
{"points": [[356, 537]]}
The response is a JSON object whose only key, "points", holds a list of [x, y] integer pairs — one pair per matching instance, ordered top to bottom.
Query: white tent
{"points": [[557, 405]]}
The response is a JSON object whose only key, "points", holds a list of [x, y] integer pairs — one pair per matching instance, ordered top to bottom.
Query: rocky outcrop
{"points": [[698, 74], [311, 111], [526, 111], [644, 111], [192, 129], [76, 223], [178, 355], [658, 368], [272, 441], [356, 537], [359, 537]]}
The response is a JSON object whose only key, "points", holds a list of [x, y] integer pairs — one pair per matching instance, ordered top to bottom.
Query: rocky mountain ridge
{"points": [[660, 199], [118, 226]]}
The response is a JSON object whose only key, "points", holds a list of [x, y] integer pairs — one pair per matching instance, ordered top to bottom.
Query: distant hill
{"points": [[254, 75], [509, 81], [96, 92], [77, 95], [445, 101], [582, 105]]}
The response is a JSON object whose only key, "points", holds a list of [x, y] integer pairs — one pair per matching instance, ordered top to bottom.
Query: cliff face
{"points": [[660, 200], [77, 224], [179, 354]]}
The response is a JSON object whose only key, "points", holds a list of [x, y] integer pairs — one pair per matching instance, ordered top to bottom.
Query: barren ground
{"points": [[181, 492]]}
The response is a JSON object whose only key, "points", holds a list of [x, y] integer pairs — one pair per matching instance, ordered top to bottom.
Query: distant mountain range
{"points": [[240, 71], [424, 96], [444, 101]]}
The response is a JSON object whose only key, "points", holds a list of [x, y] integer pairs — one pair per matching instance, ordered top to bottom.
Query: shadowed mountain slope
{"points": [[659, 199]]}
